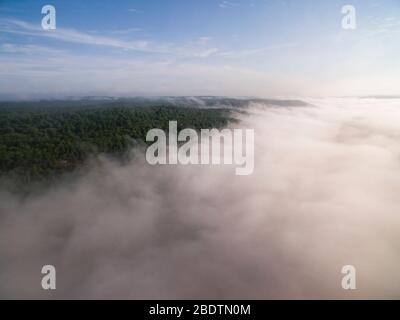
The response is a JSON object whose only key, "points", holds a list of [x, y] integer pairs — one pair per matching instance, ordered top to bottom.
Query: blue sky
{"points": [[208, 47]]}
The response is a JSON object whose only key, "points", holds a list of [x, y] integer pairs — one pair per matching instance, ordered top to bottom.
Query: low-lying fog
{"points": [[325, 193]]}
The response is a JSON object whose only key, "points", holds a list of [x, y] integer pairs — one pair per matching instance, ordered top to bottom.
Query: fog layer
{"points": [[324, 194]]}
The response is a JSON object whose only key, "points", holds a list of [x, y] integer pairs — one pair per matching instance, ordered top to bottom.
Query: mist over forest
{"points": [[323, 195]]}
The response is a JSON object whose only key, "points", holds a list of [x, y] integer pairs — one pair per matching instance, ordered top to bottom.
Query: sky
{"points": [[263, 48]]}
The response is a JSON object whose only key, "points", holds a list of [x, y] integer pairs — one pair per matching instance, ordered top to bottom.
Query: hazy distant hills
{"points": [[380, 97], [174, 101], [201, 101]]}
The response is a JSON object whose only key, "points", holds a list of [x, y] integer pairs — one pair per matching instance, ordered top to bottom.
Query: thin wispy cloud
{"points": [[227, 4], [134, 10], [14, 26], [389, 26], [126, 31], [71, 35], [74, 36], [204, 40], [28, 49], [206, 53], [242, 53]]}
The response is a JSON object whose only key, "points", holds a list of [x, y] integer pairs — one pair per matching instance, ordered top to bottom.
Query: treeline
{"points": [[43, 140]]}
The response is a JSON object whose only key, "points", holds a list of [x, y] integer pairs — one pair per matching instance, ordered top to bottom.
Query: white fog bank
{"points": [[324, 194]]}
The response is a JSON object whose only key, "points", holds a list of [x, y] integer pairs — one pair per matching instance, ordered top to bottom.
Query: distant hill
{"points": [[175, 101]]}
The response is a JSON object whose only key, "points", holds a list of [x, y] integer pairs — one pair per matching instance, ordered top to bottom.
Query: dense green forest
{"points": [[42, 140]]}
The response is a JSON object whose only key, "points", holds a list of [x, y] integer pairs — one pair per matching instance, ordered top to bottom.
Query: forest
{"points": [[41, 140]]}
